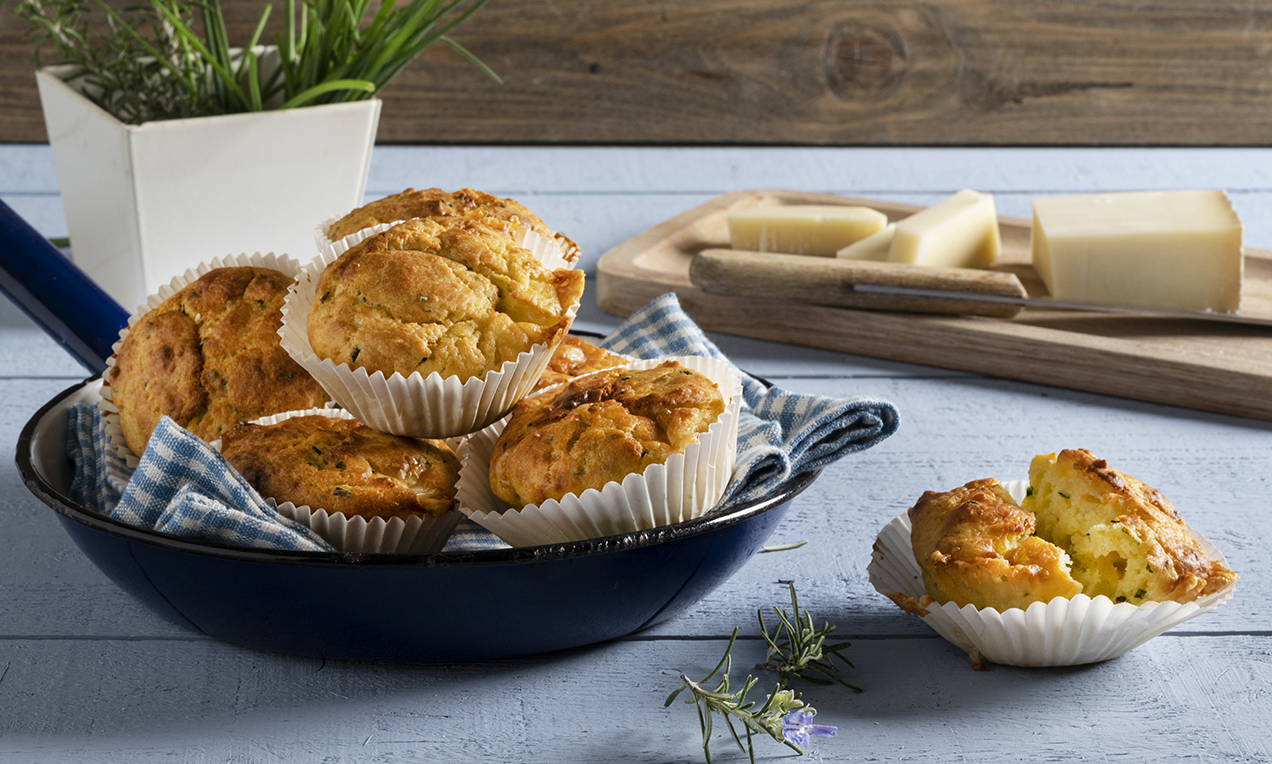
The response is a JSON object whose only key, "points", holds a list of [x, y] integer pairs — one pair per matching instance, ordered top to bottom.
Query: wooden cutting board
{"points": [[1226, 368]]}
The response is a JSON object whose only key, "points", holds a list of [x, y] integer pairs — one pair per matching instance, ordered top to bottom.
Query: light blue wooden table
{"points": [[87, 675]]}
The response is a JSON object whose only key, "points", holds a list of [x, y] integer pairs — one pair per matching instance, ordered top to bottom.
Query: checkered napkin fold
{"points": [[182, 487]]}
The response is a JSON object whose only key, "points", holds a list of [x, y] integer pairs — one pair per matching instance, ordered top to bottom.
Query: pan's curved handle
{"points": [[59, 297]]}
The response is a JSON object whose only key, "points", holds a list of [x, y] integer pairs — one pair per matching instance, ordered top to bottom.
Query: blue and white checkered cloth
{"points": [[781, 434], [183, 487]]}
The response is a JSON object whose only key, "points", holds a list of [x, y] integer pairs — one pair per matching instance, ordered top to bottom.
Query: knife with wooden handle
{"points": [[854, 283], [874, 285]]}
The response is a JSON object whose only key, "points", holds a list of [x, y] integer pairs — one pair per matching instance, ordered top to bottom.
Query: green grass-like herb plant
{"points": [[172, 59]]}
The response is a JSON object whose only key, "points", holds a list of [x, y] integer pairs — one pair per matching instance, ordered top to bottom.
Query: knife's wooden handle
{"points": [[832, 281]]}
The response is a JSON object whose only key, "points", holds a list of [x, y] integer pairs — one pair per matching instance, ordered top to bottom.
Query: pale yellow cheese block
{"points": [[802, 229], [959, 232], [873, 247], [1150, 249]]}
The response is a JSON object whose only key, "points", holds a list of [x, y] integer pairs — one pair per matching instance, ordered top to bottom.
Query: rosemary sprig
{"points": [[784, 547], [795, 647], [783, 716], [768, 719]]}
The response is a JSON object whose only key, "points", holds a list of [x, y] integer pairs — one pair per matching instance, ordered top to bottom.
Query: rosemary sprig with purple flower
{"points": [[796, 647], [770, 718]]}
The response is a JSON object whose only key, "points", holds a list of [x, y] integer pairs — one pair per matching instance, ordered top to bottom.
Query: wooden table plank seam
{"points": [[88, 674]]}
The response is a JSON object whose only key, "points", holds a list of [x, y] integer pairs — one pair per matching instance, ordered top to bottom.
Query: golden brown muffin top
{"points": [[436, 203], [501, 214], [454, 297], [576, 356], [209, 357], [600, 428], [341, 465], [1100, 514], [976, 546]]}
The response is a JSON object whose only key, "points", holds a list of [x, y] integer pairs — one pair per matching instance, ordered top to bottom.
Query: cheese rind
{"points": [[802, 229], [959, 232], [873, 247], [1151, 249]]}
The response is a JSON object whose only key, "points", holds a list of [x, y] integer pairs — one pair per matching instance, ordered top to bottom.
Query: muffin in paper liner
{"points": [[554, 252], [550, 379], [417, 406], [110, 413], [686, 486], [417, 535], [1062, 632]]}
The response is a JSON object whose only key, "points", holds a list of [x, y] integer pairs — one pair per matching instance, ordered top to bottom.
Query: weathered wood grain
{"points": [[945, 72], [602, 196], [86, 675], [202, 701]]}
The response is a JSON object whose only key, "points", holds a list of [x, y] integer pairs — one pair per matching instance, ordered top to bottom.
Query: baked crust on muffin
{"points": [[435, 203], [454, 297], [209, 357], [574, 357], [600, 428], [341, 465], [1083, 528], [1127, 541], [976, 546]]}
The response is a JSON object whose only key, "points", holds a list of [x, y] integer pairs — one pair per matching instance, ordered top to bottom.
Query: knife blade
{"points": [[897, 286]]}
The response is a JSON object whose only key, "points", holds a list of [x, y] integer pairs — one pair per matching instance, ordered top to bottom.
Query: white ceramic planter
{"points": [[145, 202]]}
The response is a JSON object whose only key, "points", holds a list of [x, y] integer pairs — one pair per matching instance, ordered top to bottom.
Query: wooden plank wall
{"points": [[834, 72]]}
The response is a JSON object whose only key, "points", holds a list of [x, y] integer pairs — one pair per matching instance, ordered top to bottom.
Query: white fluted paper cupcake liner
{"points": [[334, 248], [554, 252], [417, 406], [110, 413], [687, 486], [417, 534], [1062, 632]]}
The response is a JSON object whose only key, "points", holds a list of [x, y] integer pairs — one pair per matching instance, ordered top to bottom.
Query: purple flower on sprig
{"points": [[797, 646], [798, 729]]}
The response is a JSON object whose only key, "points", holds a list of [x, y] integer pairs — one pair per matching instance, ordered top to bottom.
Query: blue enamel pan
{"points": [[450, 606]]}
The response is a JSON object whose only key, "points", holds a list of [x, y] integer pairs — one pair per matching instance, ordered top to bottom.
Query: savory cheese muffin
{"points": [[438, 204], [453, 296], [576, 356], [209, 358], [600, 428], [341, 465], [1083, 528], [1126, 539], [976, 546]]}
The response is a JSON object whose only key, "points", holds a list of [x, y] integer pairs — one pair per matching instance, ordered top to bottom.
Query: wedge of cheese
{"points": [[802, 229], [959, 232], [873, 247], [1151, 249]]}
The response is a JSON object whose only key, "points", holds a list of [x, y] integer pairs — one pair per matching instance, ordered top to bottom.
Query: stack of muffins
{"points": [[420, 368]]}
